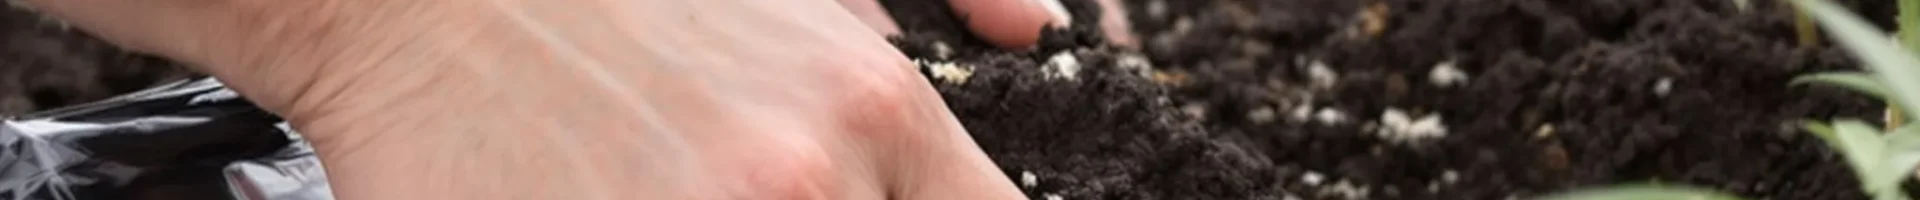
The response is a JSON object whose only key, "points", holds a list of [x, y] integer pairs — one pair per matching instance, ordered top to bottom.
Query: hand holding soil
{"points": [[652, 99]]}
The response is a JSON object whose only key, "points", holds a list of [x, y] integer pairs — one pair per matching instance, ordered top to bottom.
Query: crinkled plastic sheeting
{"points": [[193, 139]]}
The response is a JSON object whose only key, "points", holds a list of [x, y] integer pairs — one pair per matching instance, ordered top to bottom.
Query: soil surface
{"points": [[1315, 99], [1401, 99]]}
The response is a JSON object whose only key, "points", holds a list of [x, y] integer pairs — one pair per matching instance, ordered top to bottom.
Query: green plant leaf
{"points": [[1892, 64], [1859, 82], [1826, 134], [1904, 138], [1861, 145], [1904, 145], [1880, 161], [1896, 168], [1880, 169], [1643, 192]]}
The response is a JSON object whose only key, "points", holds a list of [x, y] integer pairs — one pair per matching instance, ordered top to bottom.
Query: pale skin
{"points": [[588, 99]]}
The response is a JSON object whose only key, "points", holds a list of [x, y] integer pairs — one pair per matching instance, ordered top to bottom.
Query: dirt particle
{"points": [[1742, 5], [1157, 8], [1374, 18], [1182, 26], [1250, 47], [1137, 64], [1063, 65], [1445, 74], [1321, 75], [1167, 78], [1195, 110], [1301, 113], [1261, 115], [1330, 116], [1545, 131], [1554, 157], [1450, 176], [1347, 189], [1052, 197]]}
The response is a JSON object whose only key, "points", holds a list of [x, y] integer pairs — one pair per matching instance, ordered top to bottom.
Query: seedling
{"points": [[1881, 161], [1645, 192]]}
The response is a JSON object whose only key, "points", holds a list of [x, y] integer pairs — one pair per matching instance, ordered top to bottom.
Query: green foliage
{"points": [[1891, 64], [1861, 82], [1881, 159], [1644, 192]]}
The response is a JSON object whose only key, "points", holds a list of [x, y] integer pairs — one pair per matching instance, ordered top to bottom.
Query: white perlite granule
{"points": [[941, 50], [1137, 64], [1063, 65], [947, 72], [1322, 75], [1445, 75], [1662, 87], [1300, 113], [1261, 115], [1330, 115], [1397, 126], [1312, 178], [1027, 179], [1348, 190]]}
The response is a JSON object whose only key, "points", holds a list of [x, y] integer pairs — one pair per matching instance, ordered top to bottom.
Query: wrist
{"points": [[293, 58]]}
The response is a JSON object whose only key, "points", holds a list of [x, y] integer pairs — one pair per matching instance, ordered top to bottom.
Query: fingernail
{"points": [[1060, 16]]}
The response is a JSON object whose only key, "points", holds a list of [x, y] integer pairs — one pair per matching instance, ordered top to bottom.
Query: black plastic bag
{"points": [[193, 139]]}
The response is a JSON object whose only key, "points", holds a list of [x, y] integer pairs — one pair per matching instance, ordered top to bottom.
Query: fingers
{"points": [[874, 15], [1013, 24], [1114, 24]]}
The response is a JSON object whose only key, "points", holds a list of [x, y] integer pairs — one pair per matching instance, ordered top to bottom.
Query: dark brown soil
{"points": [[1560, 94], [1205, 109]]}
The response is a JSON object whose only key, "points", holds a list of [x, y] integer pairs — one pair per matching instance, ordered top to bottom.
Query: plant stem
{"points": [[1908, 21], [1809, 36], [1894, 118]]}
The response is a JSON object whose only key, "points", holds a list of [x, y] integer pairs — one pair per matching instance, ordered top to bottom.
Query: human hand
{"points": [[566, 99]]}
